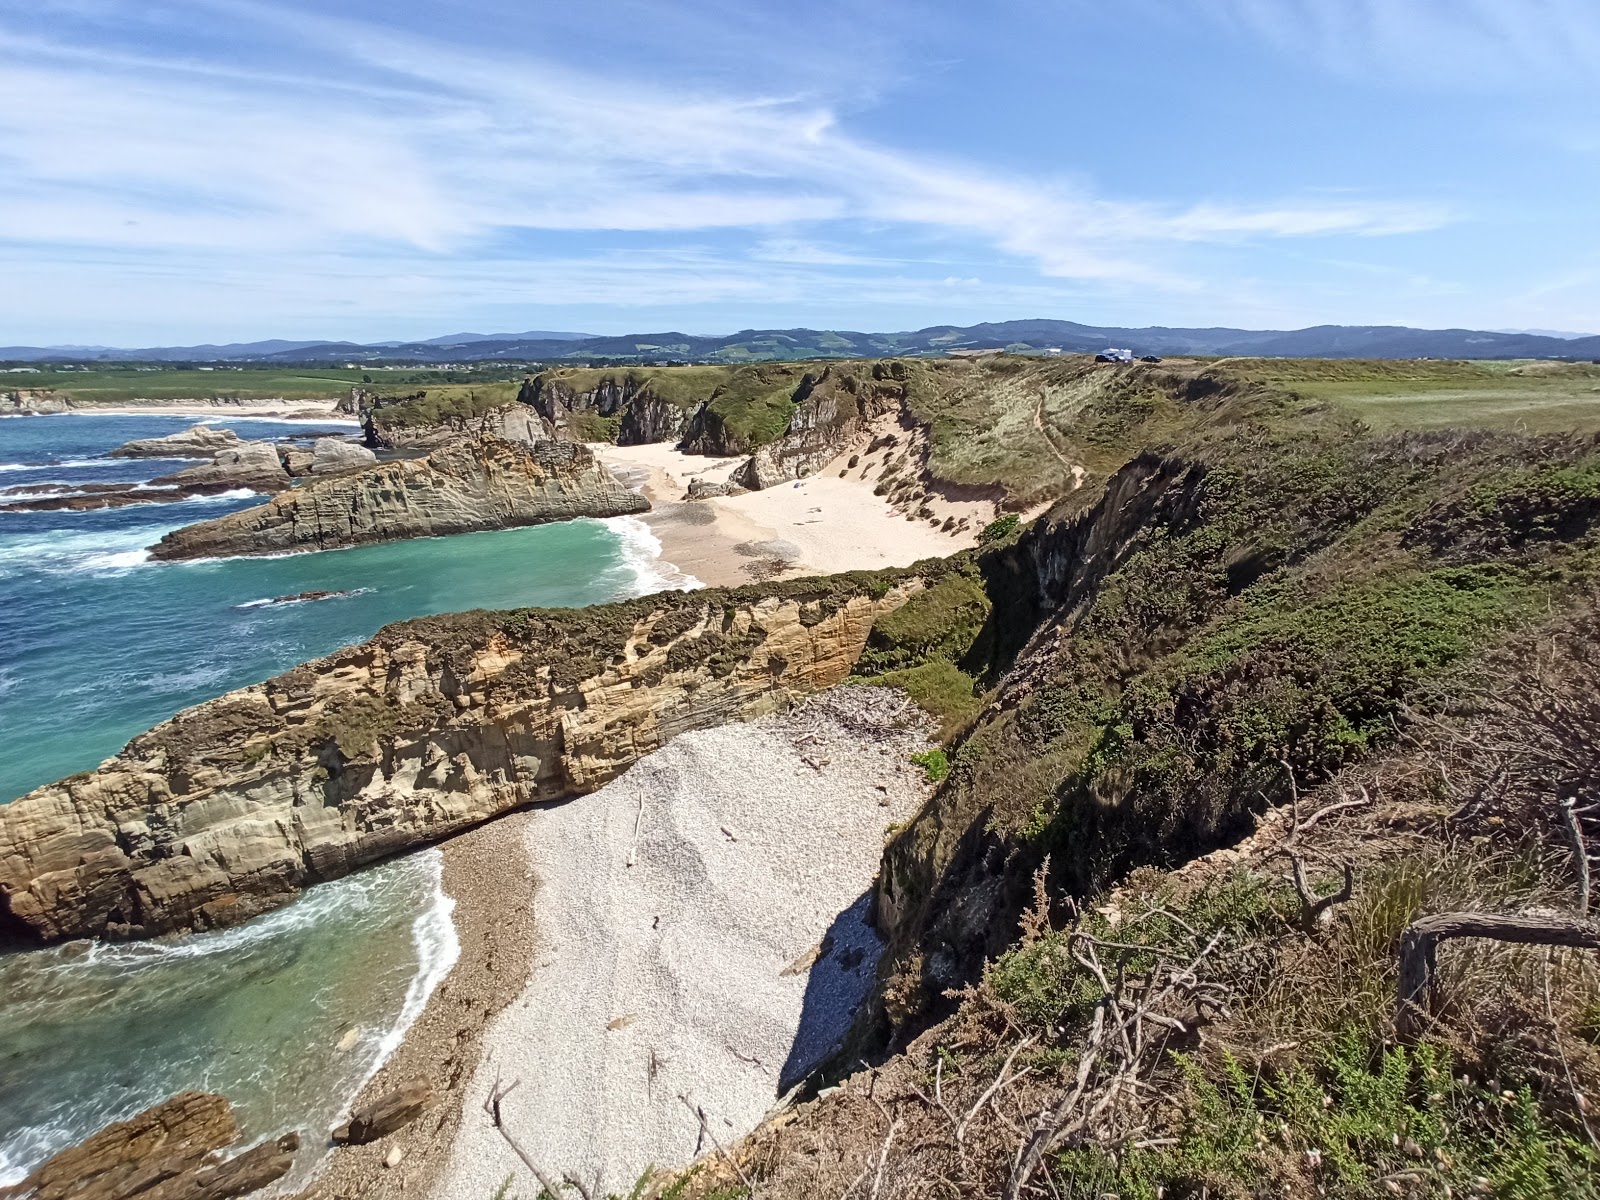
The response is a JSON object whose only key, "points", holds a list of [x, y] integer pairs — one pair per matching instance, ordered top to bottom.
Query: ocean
{"points": [[290, 1013]]}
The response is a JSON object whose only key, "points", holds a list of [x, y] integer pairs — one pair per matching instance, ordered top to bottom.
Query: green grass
{"points": [[120, 385], [682, 386], [1533, 396], [451, 400], [1345, 1124]]}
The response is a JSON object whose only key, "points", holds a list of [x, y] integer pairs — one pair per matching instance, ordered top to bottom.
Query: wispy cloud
{"points": [[1459, 44], [420, 144]]}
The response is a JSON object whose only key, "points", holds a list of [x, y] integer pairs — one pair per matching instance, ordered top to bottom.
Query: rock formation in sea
{"points": [[33, 403], [198, 441], [235, 465], [253, 465], [468, 485], [434, 726], [170, 1152]]}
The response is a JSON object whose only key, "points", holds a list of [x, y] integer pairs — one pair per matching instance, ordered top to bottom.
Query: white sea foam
{"points": [[60, 552], [641, 555], [286, 601], [7, 682], [433, 934]]}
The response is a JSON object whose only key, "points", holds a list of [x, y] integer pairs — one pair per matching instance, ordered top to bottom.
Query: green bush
{"points": [[999, 530], [934, 764]]}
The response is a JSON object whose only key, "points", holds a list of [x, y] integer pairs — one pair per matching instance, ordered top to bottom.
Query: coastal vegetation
{"points": [[1280, 664]]}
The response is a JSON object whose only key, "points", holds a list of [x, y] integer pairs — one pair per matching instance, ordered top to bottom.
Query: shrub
{"points": [[999, 530], [934, 764]]}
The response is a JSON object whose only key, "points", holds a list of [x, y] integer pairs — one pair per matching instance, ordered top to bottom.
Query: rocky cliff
{"points": [[32, 403], [625, 406], [832, 411], [402, 427], [470, 484], [433, 726], [173, 1151]]}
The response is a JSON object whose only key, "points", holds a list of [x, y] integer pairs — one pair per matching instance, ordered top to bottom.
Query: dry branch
{"points": [[1420, 942]]}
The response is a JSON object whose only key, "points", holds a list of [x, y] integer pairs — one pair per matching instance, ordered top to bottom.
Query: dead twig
{"points": [[491, 1105], [705, 1128]]}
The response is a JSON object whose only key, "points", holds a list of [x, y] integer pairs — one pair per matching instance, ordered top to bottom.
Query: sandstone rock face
{"points": [[32, 404], [831, 411], [644, 415], [512, 422], [199, 441], [331, 455], [296, 460], [253, 465], [471, 484], [434, 726], [393, 1110], [169, 1152]]}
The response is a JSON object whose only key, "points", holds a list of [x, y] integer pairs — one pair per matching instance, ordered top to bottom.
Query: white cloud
{"points": [[1459, 44], [435, 148]]}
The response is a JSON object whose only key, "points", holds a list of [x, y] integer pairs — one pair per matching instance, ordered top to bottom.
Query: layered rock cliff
{"points": [[625, 406], [832, 411], [398, 427], [468, 485], [433, 726]]}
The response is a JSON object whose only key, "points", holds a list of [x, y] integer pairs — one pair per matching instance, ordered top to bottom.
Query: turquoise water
{"points": [[100, 644], [290, 1013], [286, 1016]]}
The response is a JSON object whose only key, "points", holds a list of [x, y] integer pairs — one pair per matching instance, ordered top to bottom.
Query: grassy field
{"points": [[122, 383], [119, 385], [1531, 395]]}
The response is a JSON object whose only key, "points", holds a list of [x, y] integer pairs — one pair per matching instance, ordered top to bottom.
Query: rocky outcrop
{"points": [[569, 401], [29, 403], [832, 411], [399, 430], [198, 441], [332, 455], [253, 465], [247, 466], [469, 485], [434, 726], [380, 1117], [169, 1152]]}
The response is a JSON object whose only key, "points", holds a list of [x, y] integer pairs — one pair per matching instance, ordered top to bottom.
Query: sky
{"points": [[184, 171]]}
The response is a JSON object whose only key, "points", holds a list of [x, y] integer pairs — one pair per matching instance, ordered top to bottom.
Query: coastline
{"points": [[293, 410], [820, 525], [488, 874]]}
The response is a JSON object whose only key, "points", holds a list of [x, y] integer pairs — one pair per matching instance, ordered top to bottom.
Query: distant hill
{"points": [[752, 345]]}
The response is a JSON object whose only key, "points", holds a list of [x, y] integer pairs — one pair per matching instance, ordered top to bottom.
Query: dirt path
{"points": [[1073, 469]]}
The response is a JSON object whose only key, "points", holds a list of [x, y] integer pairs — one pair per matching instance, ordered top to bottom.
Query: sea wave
{"points": [[58, 552], [641, 556], [438, 947]]}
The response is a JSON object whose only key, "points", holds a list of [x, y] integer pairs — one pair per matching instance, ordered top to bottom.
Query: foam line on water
{"points": [[641, 555]]}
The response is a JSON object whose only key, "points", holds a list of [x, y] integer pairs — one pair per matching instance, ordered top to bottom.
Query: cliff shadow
{"points": [[837, 984]]}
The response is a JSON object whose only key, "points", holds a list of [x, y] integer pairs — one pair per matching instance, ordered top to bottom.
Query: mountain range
{"points": [[752, 345]]}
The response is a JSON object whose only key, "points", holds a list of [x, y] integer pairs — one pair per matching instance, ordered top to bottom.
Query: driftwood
{"points": [[1420, 942]]}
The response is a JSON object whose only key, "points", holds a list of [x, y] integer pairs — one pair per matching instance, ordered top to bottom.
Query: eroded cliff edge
{"points": [[470, 484], [433, 726]]}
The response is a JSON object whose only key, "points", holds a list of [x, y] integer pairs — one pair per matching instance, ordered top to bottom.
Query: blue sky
{"points": [[177, 171]]}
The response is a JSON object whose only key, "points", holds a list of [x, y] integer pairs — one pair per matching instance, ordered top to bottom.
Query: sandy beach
{"points": [[289, 410], [819, 525], [702, 941]]}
